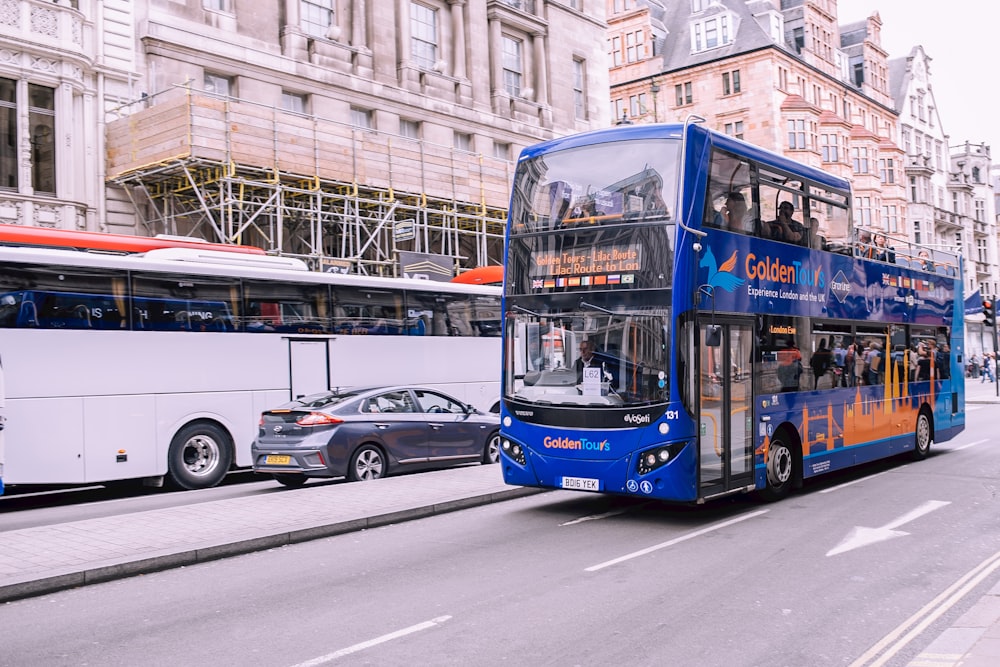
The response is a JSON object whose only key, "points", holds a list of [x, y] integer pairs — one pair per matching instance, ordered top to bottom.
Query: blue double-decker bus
{"points": [[688, 316]]}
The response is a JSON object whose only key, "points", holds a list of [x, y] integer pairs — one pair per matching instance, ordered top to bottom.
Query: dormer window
{"points": [[710, 33]]}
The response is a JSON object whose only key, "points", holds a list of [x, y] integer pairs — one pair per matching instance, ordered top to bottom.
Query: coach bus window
{"points": [[729, 202], [783, 209], [831, 228], [60, 298], [182, 303], [286, 307], [367, 312], [446, 314], [873, 342], [827, 355], [782, 364]]}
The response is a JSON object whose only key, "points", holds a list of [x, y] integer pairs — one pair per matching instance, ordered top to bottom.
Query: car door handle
{"points": [[381, 425], [436, 426]]}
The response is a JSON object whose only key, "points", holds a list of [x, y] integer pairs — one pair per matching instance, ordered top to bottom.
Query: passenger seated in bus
{"points": [[734, 215], [784, 227], [816, 240], [865, 247], [882, 251], [925, 261]]}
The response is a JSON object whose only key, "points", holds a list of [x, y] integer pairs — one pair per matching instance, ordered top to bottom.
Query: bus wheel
{"points": [[923, 437], [491, 453], [199, 456], [367, 463], [780, 466], [290, 479]]}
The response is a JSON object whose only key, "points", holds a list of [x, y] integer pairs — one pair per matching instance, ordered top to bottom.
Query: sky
{"points": [[962, 40]]}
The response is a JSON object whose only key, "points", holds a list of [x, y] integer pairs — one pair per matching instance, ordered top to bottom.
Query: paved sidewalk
{"points": [[34, 561]]}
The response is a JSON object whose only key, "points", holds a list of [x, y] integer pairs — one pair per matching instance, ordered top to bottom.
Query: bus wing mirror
{"points": [[713, 335]]}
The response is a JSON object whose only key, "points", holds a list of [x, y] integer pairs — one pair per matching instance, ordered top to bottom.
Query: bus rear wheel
{"points": [[923, 437], [199, 456], [780, 470]]}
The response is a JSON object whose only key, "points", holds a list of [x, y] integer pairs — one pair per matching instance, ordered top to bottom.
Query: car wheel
{"points": [[923, 437], [491, 453], [199, 456], [366, 464], [780, 470], [290, 479]]}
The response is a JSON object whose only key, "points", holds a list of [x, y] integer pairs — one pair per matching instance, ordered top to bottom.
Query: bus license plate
{"points": [[277, 460], [581, 483]]}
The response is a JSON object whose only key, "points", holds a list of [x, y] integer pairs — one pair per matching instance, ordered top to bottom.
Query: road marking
{"points": [[971, 444], [845, 484], [593, 517], [862, 536], [676, 540], [885, 650], [329, 657]]}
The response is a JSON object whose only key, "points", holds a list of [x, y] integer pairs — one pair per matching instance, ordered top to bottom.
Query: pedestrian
{"points": [[987, 370]]}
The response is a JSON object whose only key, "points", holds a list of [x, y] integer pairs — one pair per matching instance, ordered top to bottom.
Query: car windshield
{"points": [[590, 355]]}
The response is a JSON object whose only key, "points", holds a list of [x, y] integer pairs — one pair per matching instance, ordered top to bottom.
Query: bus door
{"points": [[725, 355], [309, 366]]}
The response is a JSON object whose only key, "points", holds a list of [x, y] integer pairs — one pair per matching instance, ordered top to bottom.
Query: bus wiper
{"points": [[584, 305], [524, 310]]}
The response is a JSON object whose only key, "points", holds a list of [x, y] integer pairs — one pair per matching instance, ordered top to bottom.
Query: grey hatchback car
{"points": [[371, 432]]}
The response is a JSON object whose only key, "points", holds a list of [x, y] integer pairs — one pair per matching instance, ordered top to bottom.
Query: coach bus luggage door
{"points": [[725, 355]]}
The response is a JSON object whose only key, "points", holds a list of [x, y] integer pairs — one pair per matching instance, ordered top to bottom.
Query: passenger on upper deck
{"points": [[734, 215], [784, 227], [881, 250]]}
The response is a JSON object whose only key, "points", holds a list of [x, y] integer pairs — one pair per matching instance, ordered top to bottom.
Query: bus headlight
{"points": [[513, 450], [654, 458]]}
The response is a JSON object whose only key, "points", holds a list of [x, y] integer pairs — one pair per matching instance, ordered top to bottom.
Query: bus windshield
{"points": [[596, 185], [588, 355]]}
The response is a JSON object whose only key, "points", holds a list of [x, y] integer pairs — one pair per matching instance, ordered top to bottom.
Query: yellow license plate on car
{"points": [[277, 460]]}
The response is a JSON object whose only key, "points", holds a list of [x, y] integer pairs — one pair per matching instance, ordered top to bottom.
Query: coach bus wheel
{"points": [[923, 437], [491, 453], [199, 456], [367, 463], [780, 469], [290, 479]]}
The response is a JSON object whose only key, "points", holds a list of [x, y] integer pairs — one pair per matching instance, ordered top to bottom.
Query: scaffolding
{"points": [[234, 171]]}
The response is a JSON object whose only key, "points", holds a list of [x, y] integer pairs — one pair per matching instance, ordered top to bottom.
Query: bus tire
{"points": [[923, 436], [491, 452], [199, 457], [367, 463], [780, 470], [292, 480]]}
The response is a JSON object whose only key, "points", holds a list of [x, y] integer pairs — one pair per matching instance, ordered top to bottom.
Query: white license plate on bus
{"points": [[581, 483]]}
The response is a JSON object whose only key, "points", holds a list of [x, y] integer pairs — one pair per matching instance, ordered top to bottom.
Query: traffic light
{"points": [[989, 313]]}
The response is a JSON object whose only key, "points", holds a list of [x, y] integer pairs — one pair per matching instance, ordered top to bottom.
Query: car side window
{"points": [[393, 401], [433, 402]]}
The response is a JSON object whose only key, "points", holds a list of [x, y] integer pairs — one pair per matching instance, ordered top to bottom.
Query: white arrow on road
{"points": [[861, 536]]}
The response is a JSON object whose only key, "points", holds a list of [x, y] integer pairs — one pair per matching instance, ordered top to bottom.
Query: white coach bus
{"points": [[158, 365]]}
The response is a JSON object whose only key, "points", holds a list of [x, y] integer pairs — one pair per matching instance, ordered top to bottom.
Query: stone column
{"points": [[359, 26], [458, 46], [541, 66]]}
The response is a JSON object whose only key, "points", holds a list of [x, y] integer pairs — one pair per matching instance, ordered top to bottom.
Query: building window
{"points": [[218, 5], [316, 17], [710, 33], [423, 35], [616, 51], [634, 51], [512, 66], [782, 78], [731, 82], [218, 84], [579, 90], [683, 92], [293, 102], [637, 105], [361, 118], [42, 121], [409, 128], [734, 129], [8, 134], [797, 134], [907, 139], [463, 142], [829, 147], [501, 150], [859, 160], [887, 170], [980, 210], [863, 211], [890, 219], [916, 232]]}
